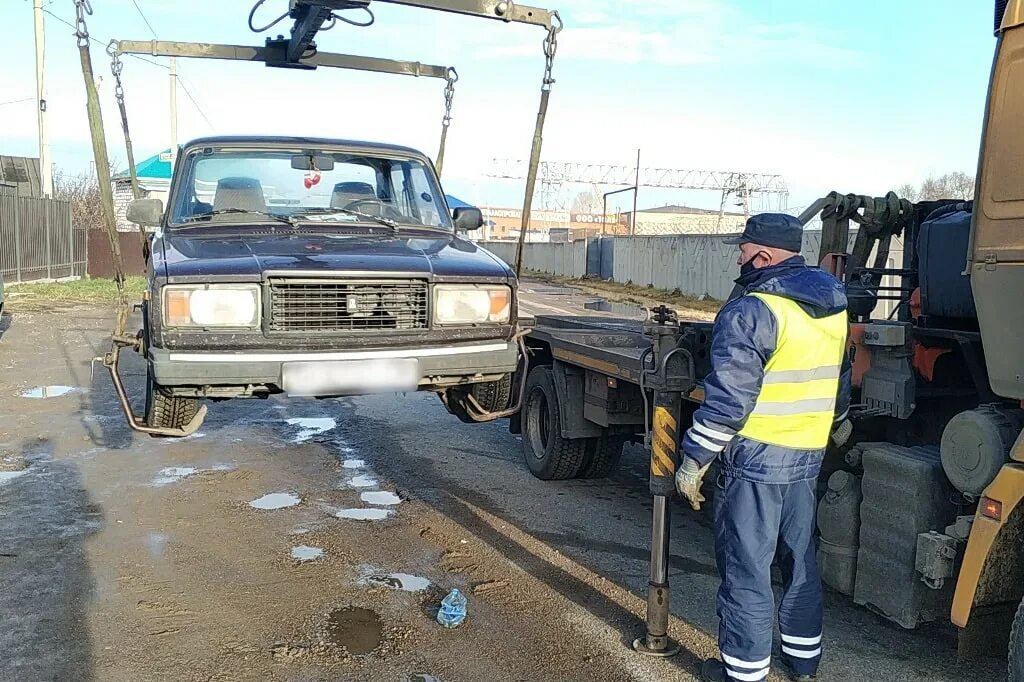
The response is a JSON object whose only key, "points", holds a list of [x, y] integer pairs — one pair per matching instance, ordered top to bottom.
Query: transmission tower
{"points": [[762, 190]]}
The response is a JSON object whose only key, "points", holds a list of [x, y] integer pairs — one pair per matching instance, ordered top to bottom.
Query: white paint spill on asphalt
{"points": [[41, 392], [310, 426], [353, 464], [169, 475], [6, 476], [363, 482], [380, 497], [275, 501], [363, 514], [157, 542], [307, 553], [397, 581]]}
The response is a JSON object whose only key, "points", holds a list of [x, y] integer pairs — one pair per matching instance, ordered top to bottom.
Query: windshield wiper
{"points": [[222, 211], [387, 222]]}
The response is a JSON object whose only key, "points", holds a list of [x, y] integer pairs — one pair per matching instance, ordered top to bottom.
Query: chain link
{"points": [[82, 8], [550, 49], [116, 66], [449, 94]]}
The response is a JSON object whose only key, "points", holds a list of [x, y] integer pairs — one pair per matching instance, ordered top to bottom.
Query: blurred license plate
{"points": [[350, 377]]}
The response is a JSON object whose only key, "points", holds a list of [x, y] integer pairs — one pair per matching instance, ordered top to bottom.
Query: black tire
{"points": [[493, 396], [166, 411], [603, 455], [548, 456], [1015, 654]]}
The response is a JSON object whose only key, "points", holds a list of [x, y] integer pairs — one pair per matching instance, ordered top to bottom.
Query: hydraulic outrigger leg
{"points": [[671, 376]]}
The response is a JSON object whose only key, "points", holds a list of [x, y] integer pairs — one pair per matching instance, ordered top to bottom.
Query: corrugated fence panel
{"points": [[37, 240]]}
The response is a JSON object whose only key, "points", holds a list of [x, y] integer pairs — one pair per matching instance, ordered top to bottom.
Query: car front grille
{"points": [[347, 305]]}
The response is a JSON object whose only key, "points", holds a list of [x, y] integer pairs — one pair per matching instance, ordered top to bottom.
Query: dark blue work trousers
{"points": [[756, 523]]}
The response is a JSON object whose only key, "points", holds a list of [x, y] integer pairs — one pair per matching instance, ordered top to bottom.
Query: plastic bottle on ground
{"points": [[453, 609]]}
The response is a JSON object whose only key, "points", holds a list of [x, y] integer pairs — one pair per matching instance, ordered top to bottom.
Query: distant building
{"points": [[19, 176], [154, 176], [685, 220], [506, 224]]}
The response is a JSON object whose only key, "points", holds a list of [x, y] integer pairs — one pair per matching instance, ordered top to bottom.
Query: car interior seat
{"points": [[241, 193]]}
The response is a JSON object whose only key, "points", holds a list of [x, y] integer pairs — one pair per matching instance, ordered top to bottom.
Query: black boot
{"points": [[712, 670], [794, 676]]}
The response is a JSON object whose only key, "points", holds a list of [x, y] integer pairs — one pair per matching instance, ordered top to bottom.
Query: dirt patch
{"points": [[688, 307]]}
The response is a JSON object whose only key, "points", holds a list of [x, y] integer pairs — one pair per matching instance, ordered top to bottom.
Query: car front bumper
{"points": [[438, 365]]}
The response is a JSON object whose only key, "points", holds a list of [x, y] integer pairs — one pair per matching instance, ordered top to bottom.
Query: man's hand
{"points": [[689, 477]]}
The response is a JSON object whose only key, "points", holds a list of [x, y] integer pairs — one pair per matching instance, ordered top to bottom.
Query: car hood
{"points": [[431, 255]]}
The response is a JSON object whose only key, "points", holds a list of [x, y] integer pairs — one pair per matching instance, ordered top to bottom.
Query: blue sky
{"points": [[857, 97]]}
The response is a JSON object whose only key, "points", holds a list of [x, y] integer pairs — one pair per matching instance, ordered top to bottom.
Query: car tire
{"points": [[493, 396], [167, 411], [603, 455], [549, 456], [1015, 653]]}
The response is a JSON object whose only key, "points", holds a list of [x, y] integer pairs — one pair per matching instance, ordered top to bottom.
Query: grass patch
{"points": [[87, 290], [686, 306]]}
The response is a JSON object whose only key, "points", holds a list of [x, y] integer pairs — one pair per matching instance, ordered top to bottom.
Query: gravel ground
{"points": [[129, 558]]}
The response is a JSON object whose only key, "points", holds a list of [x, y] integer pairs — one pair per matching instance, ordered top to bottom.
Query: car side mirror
{"points": [[145, 212], [468, 218]]}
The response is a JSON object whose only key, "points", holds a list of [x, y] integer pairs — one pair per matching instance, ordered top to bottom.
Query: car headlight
{"points": [[472, 304], [214, 305]]}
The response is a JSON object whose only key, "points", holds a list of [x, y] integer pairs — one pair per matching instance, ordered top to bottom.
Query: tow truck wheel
{"points": [[167, 411], [603, 454], [549, 456], [1015, 656]]}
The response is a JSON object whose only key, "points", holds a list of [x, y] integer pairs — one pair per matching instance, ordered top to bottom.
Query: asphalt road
{"points": [[128, 558]]}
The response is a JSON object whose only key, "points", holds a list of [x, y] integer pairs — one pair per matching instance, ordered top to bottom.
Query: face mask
{"points": [[749, 267]]}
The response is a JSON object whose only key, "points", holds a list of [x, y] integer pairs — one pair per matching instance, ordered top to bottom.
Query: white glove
{"points": [[842, 433], [689, 477]]}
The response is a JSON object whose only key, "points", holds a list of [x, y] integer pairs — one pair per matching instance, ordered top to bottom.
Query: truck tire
{"points": [[166, 411], [603, 454], [548, 456], [1015, 654]]}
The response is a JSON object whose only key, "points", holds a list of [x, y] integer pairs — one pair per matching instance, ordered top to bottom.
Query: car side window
{"points": [[413, 193]]}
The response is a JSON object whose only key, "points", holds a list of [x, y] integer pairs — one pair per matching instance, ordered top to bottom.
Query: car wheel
{"points": [[493, 396], [167, 411], [603, 455], [549, 456], [1015, 655]]}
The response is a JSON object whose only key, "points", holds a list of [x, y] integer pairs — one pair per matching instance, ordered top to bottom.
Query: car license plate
{"points": [[350, 377]]}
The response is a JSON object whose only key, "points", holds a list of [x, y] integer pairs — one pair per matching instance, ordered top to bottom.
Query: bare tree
{"points": [[955, 185], [83, 191], [590, 201]]}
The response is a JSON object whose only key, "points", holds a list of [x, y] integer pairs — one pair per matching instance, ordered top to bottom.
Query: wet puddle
{"points": [[629, 310], [43, 392], [310, 426], [353, 464], [169, 475], [6, 476], [363, 481], [380, 497], [275, 501], [363, 514], [157, 543], [307, 553], [397, 581], [358, 630], [422, 677]]}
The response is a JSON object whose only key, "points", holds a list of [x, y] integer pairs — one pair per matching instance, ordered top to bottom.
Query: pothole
{"points": [[43, 392], [380, 497], [276, 501], [359, 514], [307, 553], [397, 581], [358, 630]]}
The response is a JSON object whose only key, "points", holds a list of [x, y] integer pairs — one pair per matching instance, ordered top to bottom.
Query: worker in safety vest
{"points": [[778, 389]]}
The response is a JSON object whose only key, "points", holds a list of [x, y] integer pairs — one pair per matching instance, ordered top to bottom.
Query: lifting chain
{"points": [[82, 8], [550, 49], [116, 67], [449, 95]]}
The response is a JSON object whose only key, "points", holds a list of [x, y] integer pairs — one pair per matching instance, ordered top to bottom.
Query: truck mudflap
{"points": [[987, 556]]}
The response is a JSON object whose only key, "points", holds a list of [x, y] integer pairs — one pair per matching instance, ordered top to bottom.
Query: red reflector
{"points": [[612, 382], [992, 509]]}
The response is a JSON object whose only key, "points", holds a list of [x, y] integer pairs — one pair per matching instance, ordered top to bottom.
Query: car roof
{"points": [[283, 140]]}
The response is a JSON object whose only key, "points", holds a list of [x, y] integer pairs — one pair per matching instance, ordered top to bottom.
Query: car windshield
{"points": [[300, 185]]}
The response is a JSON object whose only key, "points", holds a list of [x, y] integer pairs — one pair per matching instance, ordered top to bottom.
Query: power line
{"points": [[142, 14], [100, 42], [17, 101], [194, 102]]}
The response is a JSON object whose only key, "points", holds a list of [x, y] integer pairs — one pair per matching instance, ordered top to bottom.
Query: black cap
{"points": [[776, 230]]}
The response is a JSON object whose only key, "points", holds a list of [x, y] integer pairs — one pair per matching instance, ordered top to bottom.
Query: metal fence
{"points": [[38, 240]]}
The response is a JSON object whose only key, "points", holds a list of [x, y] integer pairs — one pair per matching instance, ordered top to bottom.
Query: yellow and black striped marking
{"points": [[664, 442]]}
